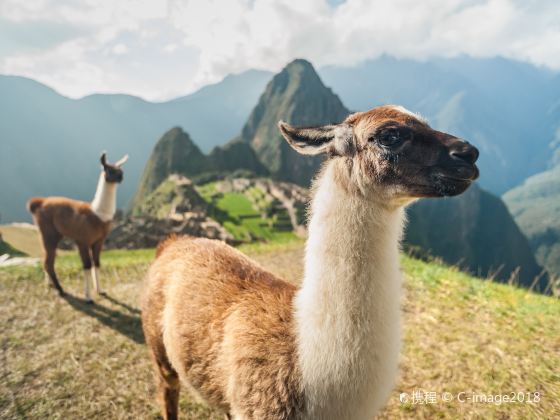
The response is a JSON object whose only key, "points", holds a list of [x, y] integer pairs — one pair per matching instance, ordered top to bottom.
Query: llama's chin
{"points": [[450, 187]]}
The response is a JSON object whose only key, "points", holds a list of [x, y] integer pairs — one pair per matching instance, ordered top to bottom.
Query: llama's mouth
{"points": [[459, 173], [454, 180], [450, 186]]}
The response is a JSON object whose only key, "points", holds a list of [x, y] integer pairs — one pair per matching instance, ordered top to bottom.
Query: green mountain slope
{"points": [[296, 95], [233, 156], [535, 204], [476, 232]]}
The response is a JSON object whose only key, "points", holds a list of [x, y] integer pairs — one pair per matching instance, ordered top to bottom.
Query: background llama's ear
{"points": [[335, 139], [104, 159], [121, 162]]}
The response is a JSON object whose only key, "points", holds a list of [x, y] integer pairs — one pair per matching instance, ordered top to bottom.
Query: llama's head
{"points": [[392, 153], [113, 172]]}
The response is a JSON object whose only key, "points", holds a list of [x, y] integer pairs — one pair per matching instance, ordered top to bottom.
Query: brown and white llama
{"points": [[88, 224], [258, 347]]}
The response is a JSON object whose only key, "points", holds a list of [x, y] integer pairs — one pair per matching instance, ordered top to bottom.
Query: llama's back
{"points": [[34, 204], [70, 218], [226, 327]]}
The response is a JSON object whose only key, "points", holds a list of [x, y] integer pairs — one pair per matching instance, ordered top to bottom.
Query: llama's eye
{"points": [[389, 137], [392, 137]]}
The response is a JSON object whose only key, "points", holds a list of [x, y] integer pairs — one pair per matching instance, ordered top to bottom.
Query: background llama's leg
{"points": [[50, 238], [96, 252], [86, 264], [48, 265], [95, 277], [87, 281]]}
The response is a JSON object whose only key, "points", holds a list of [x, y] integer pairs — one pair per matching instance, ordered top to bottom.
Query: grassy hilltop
{"points": [[536, 207], [66, 359]]}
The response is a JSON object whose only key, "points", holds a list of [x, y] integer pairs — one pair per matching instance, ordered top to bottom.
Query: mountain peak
{"points": [[300, 65], [296, 75], [296, 95], [175, 134], [174, 153]]}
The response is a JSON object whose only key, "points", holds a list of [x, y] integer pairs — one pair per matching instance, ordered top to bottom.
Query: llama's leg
{"points": [[50, 238], [96, 252], [48, 265], [86, 265], [167, 382], [168, 393]]}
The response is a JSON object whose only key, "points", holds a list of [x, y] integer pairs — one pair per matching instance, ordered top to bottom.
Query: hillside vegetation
{"points": [[536, 207], [250, 209], [476, 232], [67, 359]]}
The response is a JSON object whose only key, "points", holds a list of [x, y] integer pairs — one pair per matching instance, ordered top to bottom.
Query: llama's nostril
{"points": [[465, 152]]}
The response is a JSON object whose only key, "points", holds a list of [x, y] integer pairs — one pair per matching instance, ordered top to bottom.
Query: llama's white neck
{"points": [[104, 204], [348, 309]]}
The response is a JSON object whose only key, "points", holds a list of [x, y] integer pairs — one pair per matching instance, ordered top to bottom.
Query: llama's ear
{"points": [[335, 139], [103, 159], [121, 162]]}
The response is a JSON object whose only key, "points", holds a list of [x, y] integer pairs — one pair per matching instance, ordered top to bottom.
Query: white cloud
{"points": [[161, 48], [170, 48], [120, 49]]}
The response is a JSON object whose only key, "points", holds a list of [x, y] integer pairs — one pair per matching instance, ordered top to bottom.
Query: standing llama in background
{"points": [[87, 224], [258, 347]]}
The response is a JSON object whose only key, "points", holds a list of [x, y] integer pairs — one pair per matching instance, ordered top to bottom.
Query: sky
{"points": [[159, 49]]}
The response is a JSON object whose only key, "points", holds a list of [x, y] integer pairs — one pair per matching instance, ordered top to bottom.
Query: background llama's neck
{"points": [[104, 204], [348, 309]]}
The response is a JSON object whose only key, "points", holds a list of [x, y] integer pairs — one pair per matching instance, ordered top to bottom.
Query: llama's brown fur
{"points": [[58, 217], [223, 314]]}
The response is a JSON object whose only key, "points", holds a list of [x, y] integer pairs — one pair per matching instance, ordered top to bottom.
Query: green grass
{"points": [[237, 205], [244, 215], [65, 359]]}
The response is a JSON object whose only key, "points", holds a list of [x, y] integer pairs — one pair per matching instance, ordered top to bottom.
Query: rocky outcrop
{"points": [[175, 207], [147, 232]]}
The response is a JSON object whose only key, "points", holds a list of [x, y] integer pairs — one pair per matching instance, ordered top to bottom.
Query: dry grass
{"points": [[23, 237], [66, 359]]}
